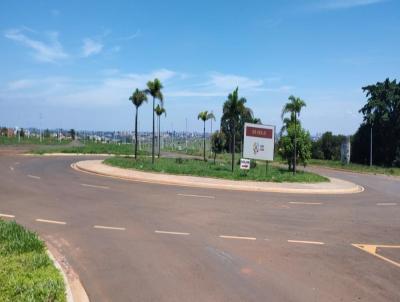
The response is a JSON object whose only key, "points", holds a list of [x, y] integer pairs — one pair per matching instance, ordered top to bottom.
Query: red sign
{"points": [[259, 132]]}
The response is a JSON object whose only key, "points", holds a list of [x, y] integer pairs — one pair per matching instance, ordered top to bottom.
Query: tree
{"points": [[154, 89], [137, 98], [294, 108], [232, 110], [159, 111], [205, 116], [381, 116], [46, 133], [72, 133], [217, 143], [286, 145], [327, 146]]}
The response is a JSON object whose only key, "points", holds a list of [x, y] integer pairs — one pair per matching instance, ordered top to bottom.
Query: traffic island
{"points": [[333, 186]]}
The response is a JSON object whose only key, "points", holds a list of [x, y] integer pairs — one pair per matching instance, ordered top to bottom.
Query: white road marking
{"points": [[17, 162], [11, 168], [33, 176], [95, 186], [198, 196], [306, 203], [386, 204], [7, 215], [50, 221], [109, 228], [171, 233], [237, 237], [306, 242]]}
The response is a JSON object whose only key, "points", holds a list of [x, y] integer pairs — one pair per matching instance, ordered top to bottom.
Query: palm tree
{"points": [[154, 89], [137, 98], [293, 107], [232, 110], [159, 111], [205, 116], [211, 117]]}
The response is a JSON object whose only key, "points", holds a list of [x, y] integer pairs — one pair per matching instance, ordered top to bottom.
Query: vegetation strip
{"points": [[208, 169], [26, 271]]}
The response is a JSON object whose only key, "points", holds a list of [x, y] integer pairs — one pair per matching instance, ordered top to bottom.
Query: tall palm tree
{"points": [[154, 89], [137, 98], [294, 108], [232, 110], [159, 111], [205, 116], [211, 117]]}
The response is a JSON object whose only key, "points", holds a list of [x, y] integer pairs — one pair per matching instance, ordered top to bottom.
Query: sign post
{"points": [[259, 142]]}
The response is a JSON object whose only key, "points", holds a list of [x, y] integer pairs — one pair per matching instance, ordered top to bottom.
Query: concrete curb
{"points": [[335, 186], [75, 292]]}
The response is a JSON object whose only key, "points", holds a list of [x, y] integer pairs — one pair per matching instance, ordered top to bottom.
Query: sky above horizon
{"points": [[75, 63]]}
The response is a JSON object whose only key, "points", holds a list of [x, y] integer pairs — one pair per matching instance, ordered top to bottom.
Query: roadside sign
{"points": [[259, 141], [245, 164]]}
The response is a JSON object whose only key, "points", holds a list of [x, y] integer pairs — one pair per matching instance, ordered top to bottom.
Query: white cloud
{"points": [[341, 4], [91, 47], [50, 51], [229, 81]]}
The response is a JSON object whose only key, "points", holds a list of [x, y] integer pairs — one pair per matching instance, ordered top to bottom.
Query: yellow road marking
{"points": [[33, 176], [95, 186], [198, 196], [306, 203], [7, 215], [50, 221], [109, 228], [171, 233], [237, 237], [306, 242], [371, 249]]}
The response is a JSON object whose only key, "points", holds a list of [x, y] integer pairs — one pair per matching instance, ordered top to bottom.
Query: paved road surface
{"points": [[146, 242]]}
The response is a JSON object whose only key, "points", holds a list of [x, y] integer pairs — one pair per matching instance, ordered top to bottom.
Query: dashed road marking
{"points": [[11, 168], [33, 176], [95, 186], [198, 196], [305, 203], [386, 204], [6, 215], [51, 221], [109, 228], [171, 233], [237, 237], [306, 242], [371, 249]]}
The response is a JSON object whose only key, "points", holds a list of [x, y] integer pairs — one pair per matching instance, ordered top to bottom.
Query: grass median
{"points": [[92, 148], [195, 167], [356, 167], [26, 271]]}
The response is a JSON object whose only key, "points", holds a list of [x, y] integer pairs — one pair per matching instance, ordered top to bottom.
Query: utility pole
{"points": [[40, 127], [186, 134]]}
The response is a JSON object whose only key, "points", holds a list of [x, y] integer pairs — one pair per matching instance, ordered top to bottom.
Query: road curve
{"points": [[147, 242]]}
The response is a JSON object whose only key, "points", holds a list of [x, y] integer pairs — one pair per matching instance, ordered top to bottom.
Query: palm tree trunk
{"points": [[159, 136], [136, 140], [204, 140], [295, 143], [152, 145], [233, 145]]}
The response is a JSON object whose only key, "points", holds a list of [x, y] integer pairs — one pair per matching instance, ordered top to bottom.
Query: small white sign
{"points": [[259, 141], [245, 164]]}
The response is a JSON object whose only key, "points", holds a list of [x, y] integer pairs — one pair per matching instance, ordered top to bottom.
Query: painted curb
{"points": [[228, 185], [75, 292]]}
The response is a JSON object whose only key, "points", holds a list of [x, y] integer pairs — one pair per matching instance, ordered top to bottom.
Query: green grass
{"points": [[4, 140], [92, 148], [356, 167], [218, 170], [26, 271]]}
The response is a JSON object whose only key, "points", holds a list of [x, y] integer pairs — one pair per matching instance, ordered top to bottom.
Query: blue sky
{"points": [[77, 62]]}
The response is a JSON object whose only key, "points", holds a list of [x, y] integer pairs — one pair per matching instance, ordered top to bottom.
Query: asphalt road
{"points": [[132, 241]]}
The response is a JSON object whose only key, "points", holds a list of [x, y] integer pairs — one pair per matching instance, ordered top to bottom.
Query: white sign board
{"points": [[259, 141], [245, 164]]}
